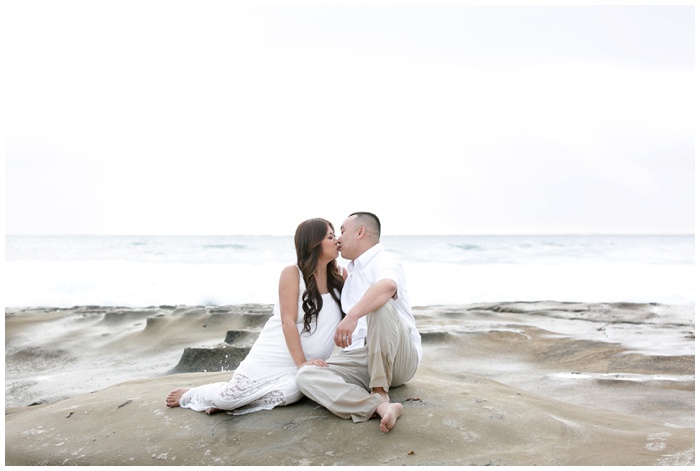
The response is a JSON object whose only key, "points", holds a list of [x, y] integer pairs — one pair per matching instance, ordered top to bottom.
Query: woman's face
{"points": [[329, 245]]}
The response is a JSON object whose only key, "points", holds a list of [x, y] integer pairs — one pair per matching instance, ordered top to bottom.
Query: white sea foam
{"points": [[152, 270], [433, 283]]}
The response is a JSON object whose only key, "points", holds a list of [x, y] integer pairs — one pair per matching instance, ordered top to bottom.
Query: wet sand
{"points": [[536, 383]]}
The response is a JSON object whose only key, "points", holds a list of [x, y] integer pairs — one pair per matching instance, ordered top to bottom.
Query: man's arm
{"points": [[375, 297]]}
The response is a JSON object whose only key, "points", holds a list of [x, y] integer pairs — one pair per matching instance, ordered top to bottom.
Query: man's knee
{"points": [[387, 307], [386, 315], [303, 377]]}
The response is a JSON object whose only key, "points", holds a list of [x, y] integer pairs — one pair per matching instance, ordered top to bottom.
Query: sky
{"points": [[205, 117]]}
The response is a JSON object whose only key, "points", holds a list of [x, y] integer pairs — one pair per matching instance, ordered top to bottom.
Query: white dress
{"points": [[266, 378]]}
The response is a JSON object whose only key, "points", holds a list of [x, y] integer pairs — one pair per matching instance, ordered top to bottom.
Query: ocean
{"points": [[140, 271]]}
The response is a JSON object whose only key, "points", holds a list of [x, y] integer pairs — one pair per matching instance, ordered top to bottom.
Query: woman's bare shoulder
{"points": [[290, 273]]}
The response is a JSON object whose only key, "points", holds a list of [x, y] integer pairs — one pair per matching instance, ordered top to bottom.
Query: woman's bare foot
{"points": [[173, 399], [212, 410], [389, 412]]}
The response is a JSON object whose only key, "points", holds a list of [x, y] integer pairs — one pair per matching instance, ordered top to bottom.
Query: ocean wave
{"points": [[226, 246], [467, 247]]}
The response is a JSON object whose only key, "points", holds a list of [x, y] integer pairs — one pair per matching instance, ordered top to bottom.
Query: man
{"points": [[381, 346]]}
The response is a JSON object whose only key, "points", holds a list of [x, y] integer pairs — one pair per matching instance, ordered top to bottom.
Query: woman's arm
{"points": [[289, 310]]}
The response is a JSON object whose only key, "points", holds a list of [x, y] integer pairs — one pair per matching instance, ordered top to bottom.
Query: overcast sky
{"points": [[157, 117]]}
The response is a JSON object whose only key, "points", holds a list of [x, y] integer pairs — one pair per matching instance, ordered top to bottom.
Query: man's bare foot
{"points": [[173, 399], [212, 410], [389, 412]]}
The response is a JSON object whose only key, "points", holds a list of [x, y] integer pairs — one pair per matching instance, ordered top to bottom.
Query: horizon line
{"points": [[479, 234]]}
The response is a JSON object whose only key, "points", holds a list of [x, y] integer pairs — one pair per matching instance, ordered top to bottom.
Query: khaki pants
{"points": [[388, 359]]}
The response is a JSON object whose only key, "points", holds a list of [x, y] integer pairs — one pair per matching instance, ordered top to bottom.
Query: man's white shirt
{"points": [[374, 265]]}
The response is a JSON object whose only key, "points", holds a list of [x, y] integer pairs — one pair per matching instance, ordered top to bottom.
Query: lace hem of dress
{"points": [[241, 387], [266, 402]]}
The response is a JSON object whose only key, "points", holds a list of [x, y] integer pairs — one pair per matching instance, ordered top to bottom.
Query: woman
{"points": [[306, 316]]}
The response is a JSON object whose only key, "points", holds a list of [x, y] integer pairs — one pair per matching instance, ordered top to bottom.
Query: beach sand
{"points": [[531, 383]]}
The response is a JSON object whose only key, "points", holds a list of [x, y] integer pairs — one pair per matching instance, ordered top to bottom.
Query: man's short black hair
{"points": [[372, 219]]}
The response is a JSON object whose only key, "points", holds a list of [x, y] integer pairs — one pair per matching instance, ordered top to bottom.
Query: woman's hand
{"points": [[316, 362]]}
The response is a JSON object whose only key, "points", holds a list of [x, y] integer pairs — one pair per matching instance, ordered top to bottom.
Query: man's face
{"points": [[348, 238]]}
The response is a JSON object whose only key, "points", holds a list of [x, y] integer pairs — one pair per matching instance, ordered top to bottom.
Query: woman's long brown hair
{"points": [[307, 241]]}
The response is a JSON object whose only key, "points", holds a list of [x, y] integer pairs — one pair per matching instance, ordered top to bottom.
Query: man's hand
{"points": [[343, 333]]}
